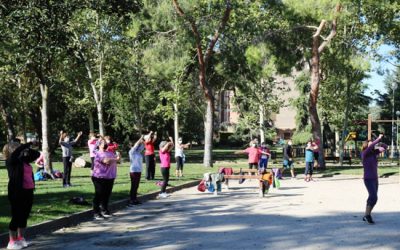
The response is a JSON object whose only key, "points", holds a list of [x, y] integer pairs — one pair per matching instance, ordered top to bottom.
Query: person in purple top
{"points": [[369, 156], [103, 176]]}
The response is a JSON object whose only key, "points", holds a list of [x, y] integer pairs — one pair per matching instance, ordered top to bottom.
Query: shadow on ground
{"points": [[207, 222]]}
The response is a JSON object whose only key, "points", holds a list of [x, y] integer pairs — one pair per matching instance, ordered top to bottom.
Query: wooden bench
{"points": [[336, 159], [239, 174]]}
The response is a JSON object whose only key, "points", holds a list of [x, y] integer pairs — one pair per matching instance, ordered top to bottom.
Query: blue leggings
{"points": [[309, 168], [372, 188]]}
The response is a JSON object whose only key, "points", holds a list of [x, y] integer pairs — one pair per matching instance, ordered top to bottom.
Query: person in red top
{"points": [[112, 146], [149, 155], [254, 155]]}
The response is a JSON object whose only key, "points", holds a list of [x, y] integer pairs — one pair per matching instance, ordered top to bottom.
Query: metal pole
{"points": [[397, 137], [392, 145]]}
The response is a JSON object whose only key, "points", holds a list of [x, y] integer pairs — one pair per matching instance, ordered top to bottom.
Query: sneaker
{"points": [[65, 185], [260, 194], [163, 195], [106, 214], [98, 217], [368, 219], [24, 243], [14, 245]]}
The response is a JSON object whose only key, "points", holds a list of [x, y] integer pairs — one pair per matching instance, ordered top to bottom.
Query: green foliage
{"points": [[302, 137]]}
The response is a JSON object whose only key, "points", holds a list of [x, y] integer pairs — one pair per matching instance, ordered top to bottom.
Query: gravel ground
{"points": [[324, 214]]}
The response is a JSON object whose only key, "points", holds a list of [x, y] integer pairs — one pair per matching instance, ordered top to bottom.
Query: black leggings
{"points": [[179, 163], [255, 165], [150, 166], [67, 170], [165, 175], [135, 181], [372, 188], [102, 193], [21, 207]]}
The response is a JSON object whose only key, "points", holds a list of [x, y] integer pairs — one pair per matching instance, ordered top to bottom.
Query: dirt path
{"points": [[325, 214]]}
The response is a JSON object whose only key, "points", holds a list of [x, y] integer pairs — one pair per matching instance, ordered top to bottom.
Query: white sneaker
{"points": [[163, 195], [24, 243], [14, 245]]}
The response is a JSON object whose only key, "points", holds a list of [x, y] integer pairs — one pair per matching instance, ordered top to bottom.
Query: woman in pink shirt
{"points": [[92, 144], [254, 155], [165, 158], [103, 176]]}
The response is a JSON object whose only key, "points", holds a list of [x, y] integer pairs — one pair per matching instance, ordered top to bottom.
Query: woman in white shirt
{"points": [[180, 157]]}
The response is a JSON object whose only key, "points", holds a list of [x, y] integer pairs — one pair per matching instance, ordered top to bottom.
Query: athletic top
{"points": [[165, 158], [370, 159]]}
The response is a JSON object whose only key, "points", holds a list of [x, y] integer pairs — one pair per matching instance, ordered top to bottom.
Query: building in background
{"points": [[284, 121]]}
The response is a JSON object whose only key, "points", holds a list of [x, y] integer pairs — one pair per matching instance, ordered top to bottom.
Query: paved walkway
{"points": [[325, 214]]}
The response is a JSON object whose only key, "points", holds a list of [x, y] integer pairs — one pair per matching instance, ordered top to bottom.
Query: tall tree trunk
{"points": [[317, 49], [203, 62], [315, 81], [44, 90], [98, 97], [99, 107], [22, 111], [8, 119], [91, 121], [345, 124], [176, 125], [208, 134], [262, 134], [337, 144]]}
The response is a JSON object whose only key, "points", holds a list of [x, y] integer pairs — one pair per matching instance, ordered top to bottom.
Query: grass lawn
{"points": [[51, 199]]}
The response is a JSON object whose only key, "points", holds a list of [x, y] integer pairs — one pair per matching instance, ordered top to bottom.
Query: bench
{"points": [[336, 159], [239, 174], [246, 174]]}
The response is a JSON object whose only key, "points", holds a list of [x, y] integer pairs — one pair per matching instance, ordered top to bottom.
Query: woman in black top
{"points": [[20, 189]]}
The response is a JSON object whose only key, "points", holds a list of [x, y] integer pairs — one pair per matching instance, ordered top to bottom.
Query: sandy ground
{"points": [[324, 214]]}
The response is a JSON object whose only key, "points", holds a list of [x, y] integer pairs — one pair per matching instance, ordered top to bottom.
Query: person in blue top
{"points": [[136, 161], [309, 161]]}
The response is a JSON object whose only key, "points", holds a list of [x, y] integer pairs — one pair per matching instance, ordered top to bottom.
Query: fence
{"points": [[299, 152]]}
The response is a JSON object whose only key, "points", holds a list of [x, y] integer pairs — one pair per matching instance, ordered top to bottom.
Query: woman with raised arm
{"points": [[66, 147], [149, 155], [369, 156], [165, 158], [103, 176], [21, 185]]}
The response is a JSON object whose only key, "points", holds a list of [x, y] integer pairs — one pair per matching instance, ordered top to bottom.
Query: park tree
{"points": [[325, 13], [38, 28], [96, 32], [93, 34], [205, 44], [167, 59]]}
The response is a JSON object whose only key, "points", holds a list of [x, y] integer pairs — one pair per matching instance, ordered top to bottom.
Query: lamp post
{"points": [[394, 87], [397, 137]]}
